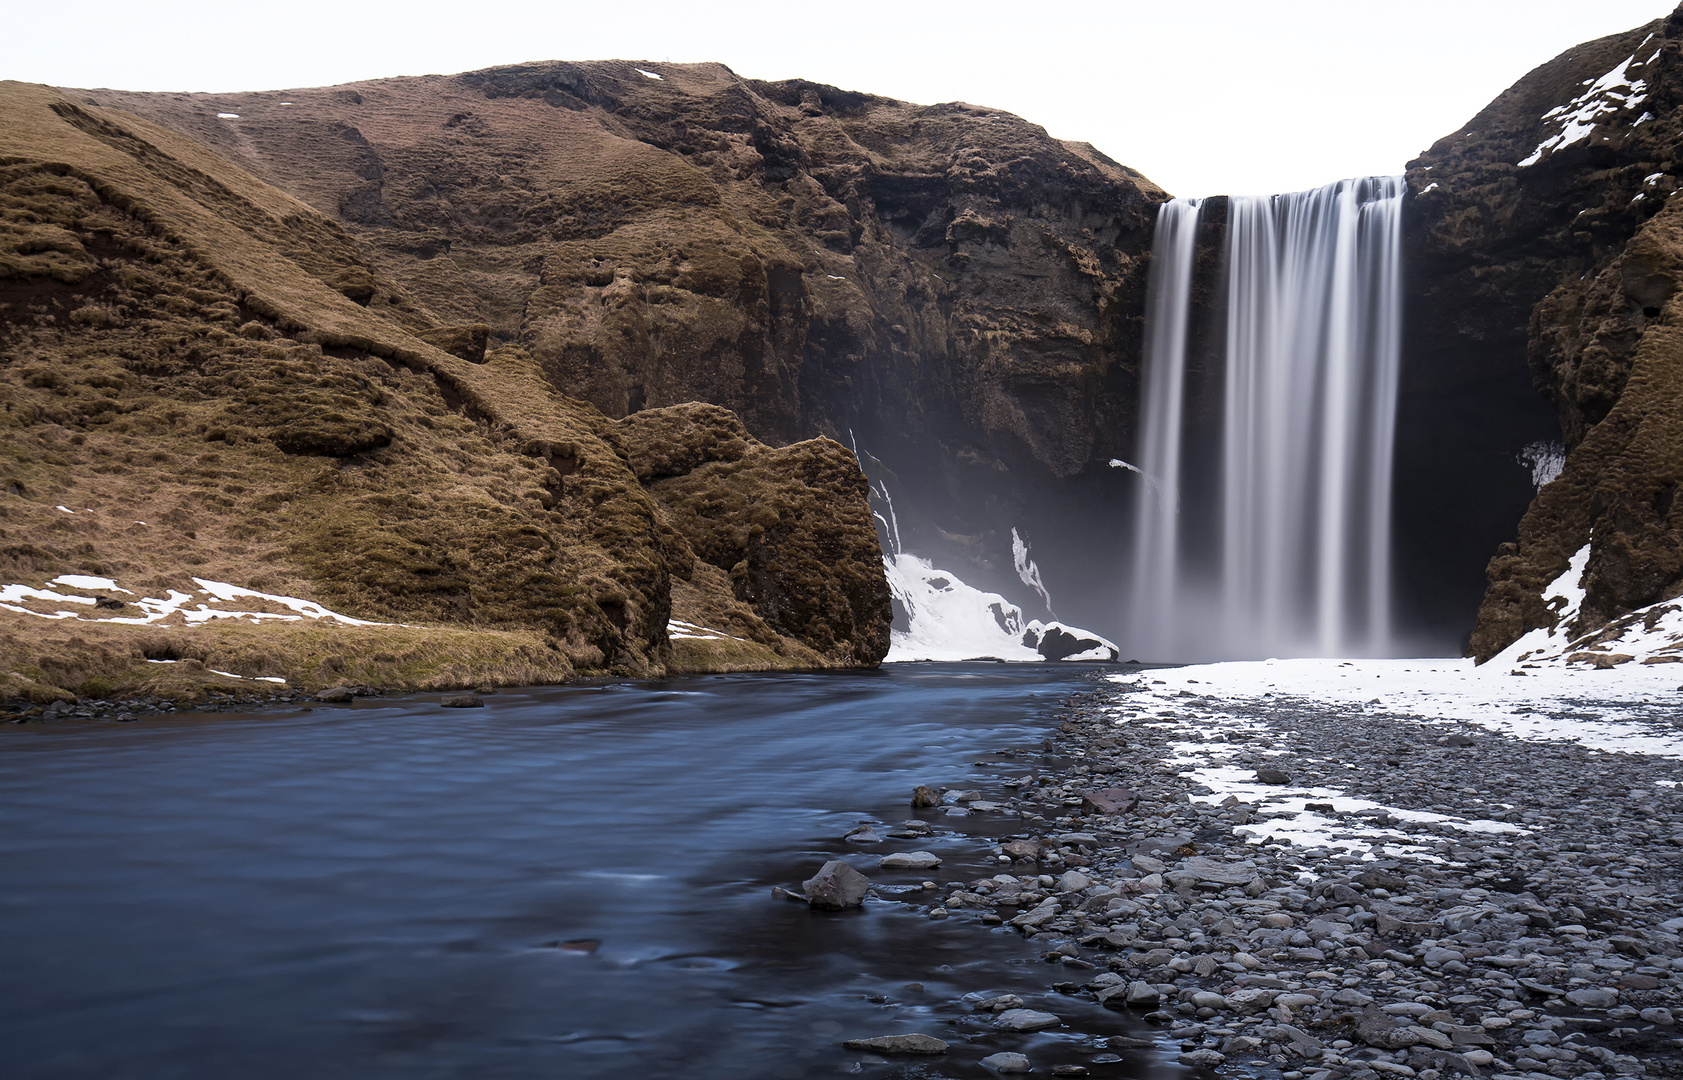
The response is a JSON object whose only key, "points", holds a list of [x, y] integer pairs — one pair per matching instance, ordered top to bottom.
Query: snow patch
{"points": [[650, 74], [1614, 92], [228, 116], [1433, 186], [211, 595], [949, 620], [678, 628]]}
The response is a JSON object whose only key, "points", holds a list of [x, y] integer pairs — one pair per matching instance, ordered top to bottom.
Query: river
{"points": [[572, 882]]}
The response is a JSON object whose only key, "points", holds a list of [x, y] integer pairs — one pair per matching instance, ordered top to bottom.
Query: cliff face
{"points": [[1548, 224], [947, 286], [203, 376]]}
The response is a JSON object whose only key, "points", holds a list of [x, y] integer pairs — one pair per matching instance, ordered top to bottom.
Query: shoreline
{"points": [[1428, 898]]}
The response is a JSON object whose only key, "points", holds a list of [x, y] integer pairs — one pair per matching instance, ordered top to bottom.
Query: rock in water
{"points": [[336, 695], [462, 701], [923, 795], [863, 834], [1020, 849], [911, 860], [836, 886], [1025, 1020], [915, 1043], [1008, 1063]]}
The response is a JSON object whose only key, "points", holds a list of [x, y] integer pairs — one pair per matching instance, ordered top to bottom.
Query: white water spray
{"points": [[1308, 389]]}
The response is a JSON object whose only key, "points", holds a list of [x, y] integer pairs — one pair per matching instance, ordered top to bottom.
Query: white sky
{"points": [[1203, 96]]}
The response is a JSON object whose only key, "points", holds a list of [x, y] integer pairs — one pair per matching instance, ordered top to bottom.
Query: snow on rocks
{"points": [[1613, 93], [208, 601], [949, 620]]}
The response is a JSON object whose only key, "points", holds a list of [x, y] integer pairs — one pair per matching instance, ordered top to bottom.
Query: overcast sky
{"points": [[1203, 96]]}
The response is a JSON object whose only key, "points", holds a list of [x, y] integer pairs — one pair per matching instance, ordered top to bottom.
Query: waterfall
{"points": [[1276, 541]]}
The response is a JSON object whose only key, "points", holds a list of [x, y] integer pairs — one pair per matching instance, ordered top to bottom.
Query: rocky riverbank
{"points": [[1297, 890]]}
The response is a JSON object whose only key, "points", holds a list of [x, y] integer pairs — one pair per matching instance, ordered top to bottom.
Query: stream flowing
{"points": [[571, 882]]}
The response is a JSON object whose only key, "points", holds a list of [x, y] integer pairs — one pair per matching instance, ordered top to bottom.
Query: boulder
{"points": [[336, 695], [462, 701], [836, 886]]}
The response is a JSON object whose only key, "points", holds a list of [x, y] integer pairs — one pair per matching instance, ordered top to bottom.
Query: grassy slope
{"points": [[185, 346]]}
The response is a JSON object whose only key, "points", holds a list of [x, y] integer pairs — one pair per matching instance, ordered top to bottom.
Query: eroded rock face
{"points": [[1549, 221], [946, 284], [789, 525]]}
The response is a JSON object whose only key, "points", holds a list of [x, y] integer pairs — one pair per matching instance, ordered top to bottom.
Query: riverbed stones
{"points": [[335, 695], [462, 701], [1274, 777], [923, 796], [1108, 801], [862, 834], [1020, 850], [836, 886], [1466, 941], [913, 1043]]}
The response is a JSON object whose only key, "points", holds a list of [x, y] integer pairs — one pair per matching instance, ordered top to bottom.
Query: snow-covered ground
{"points": [[78, 597], [1633, 708], [1226, 721]]}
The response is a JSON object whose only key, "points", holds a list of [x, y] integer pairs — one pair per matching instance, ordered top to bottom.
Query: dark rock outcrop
{"points": [[1549, 225]]}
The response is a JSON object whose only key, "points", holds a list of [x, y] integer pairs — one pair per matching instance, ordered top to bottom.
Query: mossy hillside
{"points": [[205, 403], [63, 661]]}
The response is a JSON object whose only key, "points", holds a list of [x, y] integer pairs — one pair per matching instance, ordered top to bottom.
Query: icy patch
{"points": [[650, 74], [1614, 92], [228, 116], [1433, 186], [1545, 460], [66, 509], [1027, 571], [156, 609], [677, 628], [1634, 706]]}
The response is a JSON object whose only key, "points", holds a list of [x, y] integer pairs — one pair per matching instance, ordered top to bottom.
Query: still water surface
{"points": [[571, 882]]}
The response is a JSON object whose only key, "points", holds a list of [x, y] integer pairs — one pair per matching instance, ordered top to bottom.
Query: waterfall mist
{"points": [[1263, 525]]}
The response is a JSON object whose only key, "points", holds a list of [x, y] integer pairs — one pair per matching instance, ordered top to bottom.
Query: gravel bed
{"points": [[1296, 891]]}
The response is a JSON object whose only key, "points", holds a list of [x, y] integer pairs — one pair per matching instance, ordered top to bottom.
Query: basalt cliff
{"points": [[1548, 228]]}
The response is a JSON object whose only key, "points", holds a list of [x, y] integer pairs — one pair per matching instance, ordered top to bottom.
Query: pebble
{"points": [[910, 860], [914, 1043]]}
